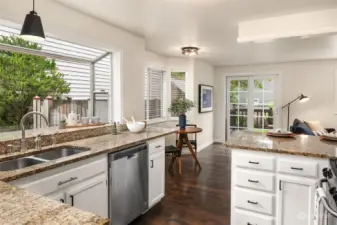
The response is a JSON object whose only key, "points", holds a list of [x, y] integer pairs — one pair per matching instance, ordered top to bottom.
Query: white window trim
{"points": [[165, 102]]}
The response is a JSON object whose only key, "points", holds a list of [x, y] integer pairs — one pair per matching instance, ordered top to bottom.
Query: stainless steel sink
{"points": [[59, 152], [19, 163]]}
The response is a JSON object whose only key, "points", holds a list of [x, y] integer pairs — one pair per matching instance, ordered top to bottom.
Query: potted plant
{"points": [[178, 108], [63, 124]]}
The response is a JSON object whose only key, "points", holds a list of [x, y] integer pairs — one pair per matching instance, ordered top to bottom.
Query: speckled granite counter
{"points": [[301, 145], [21, 207]]}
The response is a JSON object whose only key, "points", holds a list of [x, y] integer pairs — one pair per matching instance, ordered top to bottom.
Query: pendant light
{"points": [[32, 29], [190, 51]]}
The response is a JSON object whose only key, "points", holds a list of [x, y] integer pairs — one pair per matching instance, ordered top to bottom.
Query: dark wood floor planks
{"points": [[195, 197]]}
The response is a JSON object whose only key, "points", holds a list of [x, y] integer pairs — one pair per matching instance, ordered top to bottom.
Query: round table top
{"points": [[189, 130]]}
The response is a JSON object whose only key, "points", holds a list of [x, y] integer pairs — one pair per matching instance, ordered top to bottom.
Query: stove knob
{"points": [[327, 173], [333, 190]]}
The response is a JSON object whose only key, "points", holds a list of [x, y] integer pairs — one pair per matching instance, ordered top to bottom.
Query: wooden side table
{"points": [[183, 136]]}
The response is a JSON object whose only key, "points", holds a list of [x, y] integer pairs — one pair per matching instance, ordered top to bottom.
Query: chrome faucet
{"points": [[22, 125]]}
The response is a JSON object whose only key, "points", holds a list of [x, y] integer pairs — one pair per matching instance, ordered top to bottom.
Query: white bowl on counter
{"points": [[136, 127]]}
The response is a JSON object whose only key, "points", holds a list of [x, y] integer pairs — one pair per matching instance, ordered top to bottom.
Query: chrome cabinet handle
{"points": [[158, 146], [251, 162], [151, 163], [296, 168], [67, 181], [253, 181], [254, 203]]}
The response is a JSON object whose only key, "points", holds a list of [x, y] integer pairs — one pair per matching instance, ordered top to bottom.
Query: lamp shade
{"points": [[32, 29], [303, 98]]}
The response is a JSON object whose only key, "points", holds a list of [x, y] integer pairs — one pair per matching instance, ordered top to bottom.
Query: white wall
{"points": [[67, 24], [312, 78]]}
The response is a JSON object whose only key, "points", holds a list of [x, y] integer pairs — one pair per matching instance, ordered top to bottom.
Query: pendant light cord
{"points": [[33, 5]]}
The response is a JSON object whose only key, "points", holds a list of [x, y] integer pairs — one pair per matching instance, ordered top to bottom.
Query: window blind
{"points": [[76, 74], [178, 85], [154, 94]]}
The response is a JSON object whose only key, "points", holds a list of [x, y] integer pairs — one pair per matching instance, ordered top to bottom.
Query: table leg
{"points": [[190, 147]]}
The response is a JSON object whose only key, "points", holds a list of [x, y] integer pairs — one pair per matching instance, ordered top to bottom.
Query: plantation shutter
{"points": [[76, 74], [178, 85], [154, 94]]}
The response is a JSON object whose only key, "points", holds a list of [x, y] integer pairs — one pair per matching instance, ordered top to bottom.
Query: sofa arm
{"points": [[330, 130]]}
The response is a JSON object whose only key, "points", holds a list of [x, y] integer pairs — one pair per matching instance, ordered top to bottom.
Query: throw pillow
{"points": [[316, 127]]}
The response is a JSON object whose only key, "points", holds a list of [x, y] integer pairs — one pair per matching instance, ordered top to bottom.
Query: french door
{"points": [[252, 103]]}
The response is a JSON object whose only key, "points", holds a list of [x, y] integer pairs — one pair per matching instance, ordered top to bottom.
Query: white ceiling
{"points": [[211, 25]]}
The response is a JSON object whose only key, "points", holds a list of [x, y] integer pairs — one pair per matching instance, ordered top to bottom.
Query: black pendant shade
{"points": [[32, 28]]}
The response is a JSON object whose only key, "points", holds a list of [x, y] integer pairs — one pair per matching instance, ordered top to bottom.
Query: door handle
{"points": [[151, 164], [72, 200]]}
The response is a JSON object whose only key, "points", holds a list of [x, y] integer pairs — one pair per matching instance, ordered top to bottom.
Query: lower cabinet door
{"points": [[156, 178], [90, 195], [295, 200]]}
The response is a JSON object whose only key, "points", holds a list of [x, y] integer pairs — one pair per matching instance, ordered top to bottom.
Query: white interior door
{"points": [[252, 103]]}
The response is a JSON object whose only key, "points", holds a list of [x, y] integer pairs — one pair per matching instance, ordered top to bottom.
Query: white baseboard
{"points": [[219, 141], [200, 147]]}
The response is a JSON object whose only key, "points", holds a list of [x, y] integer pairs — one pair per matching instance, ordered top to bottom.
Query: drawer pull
{"points": [[158, 146], [251, 162], [296, 168], [67, 181], [253, 181], [254, 203], [249, 223]]}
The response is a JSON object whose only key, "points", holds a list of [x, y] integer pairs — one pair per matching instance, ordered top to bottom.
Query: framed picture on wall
{"points": [[205, 98]]}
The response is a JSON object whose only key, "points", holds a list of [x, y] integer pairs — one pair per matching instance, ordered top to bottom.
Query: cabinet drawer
{"points": [[156, 145], [257, 162], [298, 168], [64, 179], [255, 180], [254, 201], [244, 218]]}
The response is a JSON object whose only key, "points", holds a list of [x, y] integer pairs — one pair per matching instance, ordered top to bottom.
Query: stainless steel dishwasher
{"points": [[128, 184]]}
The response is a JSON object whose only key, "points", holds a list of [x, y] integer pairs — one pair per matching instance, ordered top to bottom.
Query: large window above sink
{"points": [[76, 77]]}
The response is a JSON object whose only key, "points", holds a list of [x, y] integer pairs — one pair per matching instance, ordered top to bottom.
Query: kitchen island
{"points": [[274, 179], [36, 194]]}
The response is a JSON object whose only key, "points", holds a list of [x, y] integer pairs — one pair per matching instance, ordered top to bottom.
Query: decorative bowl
{"points": [[136, 127]]}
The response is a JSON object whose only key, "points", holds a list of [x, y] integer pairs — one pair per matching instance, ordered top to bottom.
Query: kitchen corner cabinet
{"points": [[156, 170], [81, 184], [295, 200]]}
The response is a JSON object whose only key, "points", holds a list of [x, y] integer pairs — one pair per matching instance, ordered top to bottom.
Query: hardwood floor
{"points": [[195, 198]]}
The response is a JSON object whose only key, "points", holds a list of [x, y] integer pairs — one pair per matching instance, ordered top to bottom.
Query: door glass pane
{"points": [[263, 100]]}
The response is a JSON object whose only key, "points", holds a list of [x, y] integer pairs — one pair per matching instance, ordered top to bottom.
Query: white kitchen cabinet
{"points": [[156, 170], [156, 178], [90, 195], [58, 196], [295, 200]]}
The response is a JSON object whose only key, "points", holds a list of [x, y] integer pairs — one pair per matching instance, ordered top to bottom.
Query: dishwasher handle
{"points": [[129, 152]]}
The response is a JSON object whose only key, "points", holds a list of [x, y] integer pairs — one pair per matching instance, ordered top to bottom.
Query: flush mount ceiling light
{"points": [[32, 29], [189, 51]]}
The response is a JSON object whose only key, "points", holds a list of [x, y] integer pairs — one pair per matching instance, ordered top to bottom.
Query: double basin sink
{"points": [[50, 154]]}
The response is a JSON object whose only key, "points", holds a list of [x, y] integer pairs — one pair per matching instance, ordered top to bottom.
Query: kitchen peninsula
{"points": [[274, 179], [44, 193]]}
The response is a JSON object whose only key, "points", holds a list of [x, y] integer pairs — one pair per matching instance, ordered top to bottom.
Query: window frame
{"points": [[165, 92]]}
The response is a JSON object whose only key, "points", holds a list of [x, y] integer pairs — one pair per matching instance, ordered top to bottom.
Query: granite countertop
{"points": [[300, 145], [19, 206]]}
